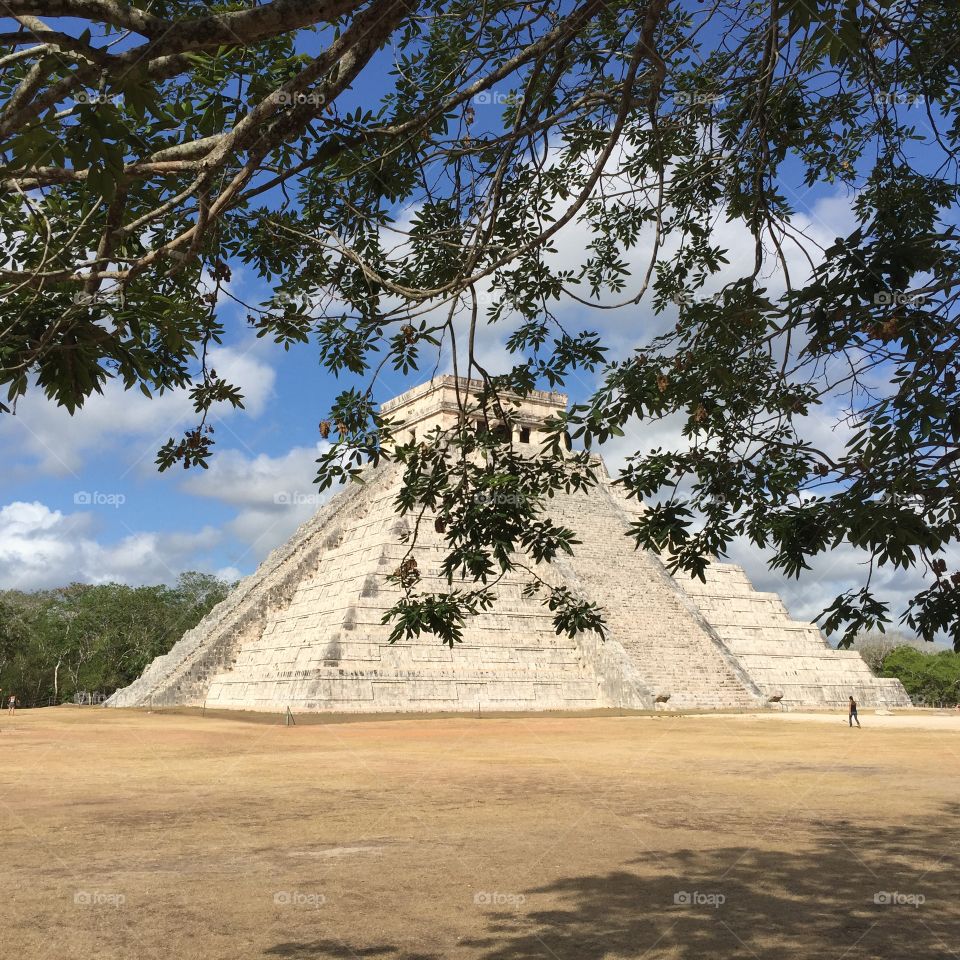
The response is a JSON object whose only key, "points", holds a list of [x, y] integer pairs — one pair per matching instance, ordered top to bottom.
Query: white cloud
{"points": [[633, 325], [61, 443], [274, 494], [40, 547], [841, 569], [229, 574]]}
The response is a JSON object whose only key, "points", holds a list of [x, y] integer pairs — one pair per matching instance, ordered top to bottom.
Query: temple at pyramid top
{"points": [[441, 401]]}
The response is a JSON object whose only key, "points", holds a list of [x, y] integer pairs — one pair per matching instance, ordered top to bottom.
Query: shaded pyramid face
{"points": [[305, 630]]}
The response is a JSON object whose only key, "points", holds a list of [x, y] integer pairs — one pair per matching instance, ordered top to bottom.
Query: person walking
{"points": [[12, 704], [853, 712]]}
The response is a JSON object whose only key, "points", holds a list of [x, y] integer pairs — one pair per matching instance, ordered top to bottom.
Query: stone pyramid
{"points": [[304, 631]]}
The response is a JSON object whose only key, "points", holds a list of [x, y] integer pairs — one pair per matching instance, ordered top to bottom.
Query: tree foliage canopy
{"points": [[400, 172], [56, 643], [930, 679]]}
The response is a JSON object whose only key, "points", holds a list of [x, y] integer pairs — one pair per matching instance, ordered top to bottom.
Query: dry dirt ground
{"points": [[132, 835]]}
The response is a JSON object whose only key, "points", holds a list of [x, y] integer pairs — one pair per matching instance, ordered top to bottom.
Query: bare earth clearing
{"points": [[133, 835]]}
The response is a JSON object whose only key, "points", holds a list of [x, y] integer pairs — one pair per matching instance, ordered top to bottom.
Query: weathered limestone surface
{"points": [[305, 630]]}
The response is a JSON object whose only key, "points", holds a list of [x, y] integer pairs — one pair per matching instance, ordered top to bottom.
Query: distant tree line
{"points": [[57, 643], [930, 675], [931, 679]]}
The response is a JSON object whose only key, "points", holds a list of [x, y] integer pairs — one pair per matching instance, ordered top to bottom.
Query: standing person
{"points": [[12, 704], [853, 712]]}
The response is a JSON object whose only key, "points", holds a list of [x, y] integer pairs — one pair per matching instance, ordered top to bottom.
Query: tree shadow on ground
{"points": [[856, 892], [340, 950]]}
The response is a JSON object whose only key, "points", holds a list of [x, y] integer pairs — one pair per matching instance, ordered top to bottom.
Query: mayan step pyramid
{"points": [[305, 630]]}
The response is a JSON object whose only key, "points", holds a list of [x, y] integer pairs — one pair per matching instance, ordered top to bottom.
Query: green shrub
{"points": [[932, 679]]}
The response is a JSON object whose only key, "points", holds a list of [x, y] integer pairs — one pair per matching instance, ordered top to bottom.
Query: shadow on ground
{"points": [[858, 892]]}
